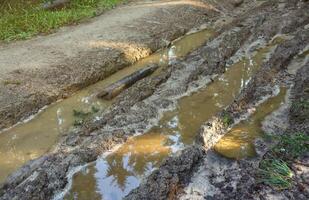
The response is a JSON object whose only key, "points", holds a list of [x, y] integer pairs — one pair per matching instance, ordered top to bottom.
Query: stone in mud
{"points": [[114, 89]]}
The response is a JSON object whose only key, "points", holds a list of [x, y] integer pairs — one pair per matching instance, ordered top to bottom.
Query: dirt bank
{"points": [[39, 71], [141, 106]]}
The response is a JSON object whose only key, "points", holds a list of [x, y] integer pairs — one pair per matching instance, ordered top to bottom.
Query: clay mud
{"points": [[230, 76], [34, 137], [115, 175]]}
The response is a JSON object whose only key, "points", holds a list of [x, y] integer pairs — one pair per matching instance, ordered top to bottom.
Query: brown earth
{"points": [[39, 71], [139, 107], [200, 173]]}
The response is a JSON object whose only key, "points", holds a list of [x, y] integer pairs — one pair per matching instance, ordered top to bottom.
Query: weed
{"points": [[303, 104], [94, 109], [300, 110], [227, 119], [291, 146], [274, 170], [276, 173]]}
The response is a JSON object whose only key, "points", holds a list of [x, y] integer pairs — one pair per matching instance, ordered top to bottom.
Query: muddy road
{"points": [[39, 71], [191, 130]]}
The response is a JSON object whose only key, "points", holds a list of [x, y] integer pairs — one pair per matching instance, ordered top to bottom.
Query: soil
{"points": [[241, 27], [48, 68], [221, 178]]}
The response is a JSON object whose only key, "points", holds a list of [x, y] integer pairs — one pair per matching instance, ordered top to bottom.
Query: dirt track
{"points": [[39, 71], [139, 107]]}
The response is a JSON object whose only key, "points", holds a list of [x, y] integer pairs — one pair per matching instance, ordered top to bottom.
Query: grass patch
{"points": [[22, 20], [303, 104], [300, 110], [227, 119], [291, 146], [273, 169], [276, 173]]}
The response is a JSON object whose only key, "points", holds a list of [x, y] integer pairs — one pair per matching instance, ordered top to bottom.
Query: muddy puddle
{"points": [[30, 139], [238, 143], [115, 175]]}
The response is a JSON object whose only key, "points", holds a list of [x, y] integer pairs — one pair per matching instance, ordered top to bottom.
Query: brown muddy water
{"points": [[33, 138], [238, 143], [115, 175]]}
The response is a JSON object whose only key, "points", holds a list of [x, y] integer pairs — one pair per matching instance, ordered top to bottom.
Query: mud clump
{"points": [[165, 183]]}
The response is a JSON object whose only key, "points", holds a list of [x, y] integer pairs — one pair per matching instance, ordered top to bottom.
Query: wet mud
{"points": [[61, 64], [138, 110], [177, 129], [30, 139], [238, 143], [218, 177]]}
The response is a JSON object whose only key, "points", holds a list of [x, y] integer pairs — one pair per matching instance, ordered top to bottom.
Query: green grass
{"points": [[23, 20], [303, 104], [301, 109], [227, 119], [291, 146], [274, 169], [276, 173]]}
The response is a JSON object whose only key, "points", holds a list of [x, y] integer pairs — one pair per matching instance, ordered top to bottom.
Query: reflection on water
{"points": [[31, 139], [238, 142], [120, 172]]}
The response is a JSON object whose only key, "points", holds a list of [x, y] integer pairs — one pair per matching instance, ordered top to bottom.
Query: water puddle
{"points": [[35, 137], [238, 143], [118, 173], [114, 176]]}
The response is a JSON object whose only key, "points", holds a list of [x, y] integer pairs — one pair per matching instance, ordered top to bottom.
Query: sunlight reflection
{"points": [[238, 143]]}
